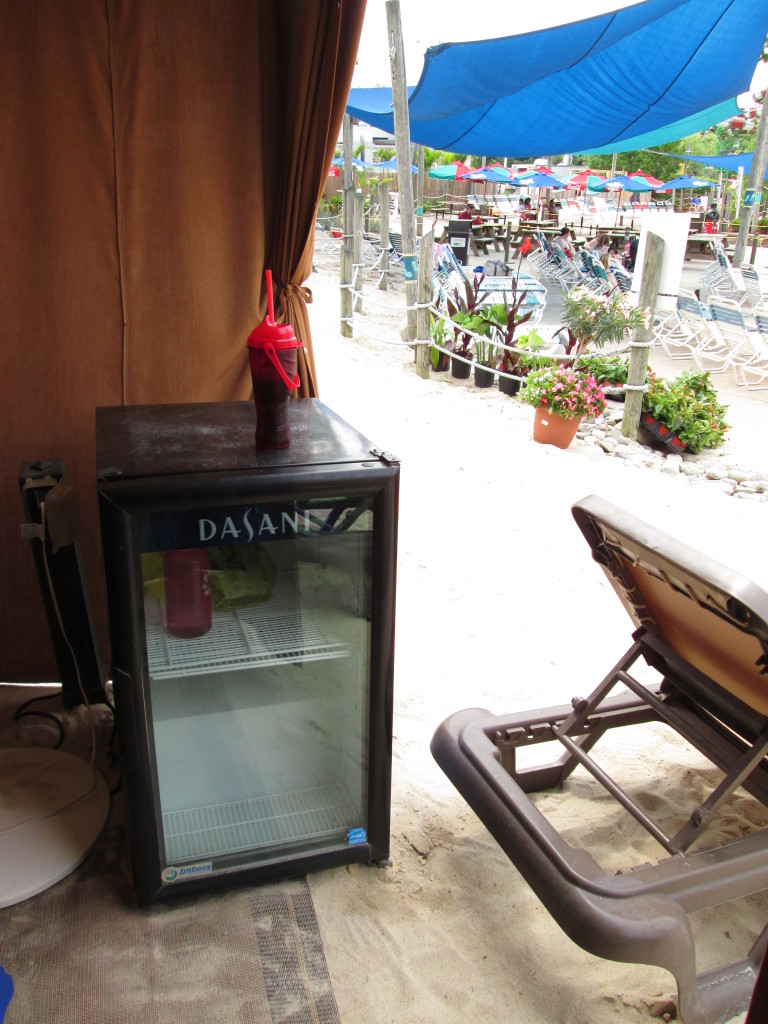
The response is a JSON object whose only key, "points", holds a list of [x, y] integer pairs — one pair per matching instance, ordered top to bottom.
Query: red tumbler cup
{"points": [[272, 356]]}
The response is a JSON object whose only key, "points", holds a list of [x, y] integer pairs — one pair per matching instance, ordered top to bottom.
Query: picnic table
{"points": [[491, 231]]}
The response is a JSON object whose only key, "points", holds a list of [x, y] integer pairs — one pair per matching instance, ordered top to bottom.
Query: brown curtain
{"points": [[158, 156]]}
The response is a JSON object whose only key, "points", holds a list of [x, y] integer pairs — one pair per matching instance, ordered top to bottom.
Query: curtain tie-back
{"points": [[304, 292]]}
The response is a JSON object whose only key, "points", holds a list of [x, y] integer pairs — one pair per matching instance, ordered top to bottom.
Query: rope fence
{"points": [[374, 299]]}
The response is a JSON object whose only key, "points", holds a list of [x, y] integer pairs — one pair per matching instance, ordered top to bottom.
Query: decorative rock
{"points": [[603, 436], [608, 444], [725, 486]]}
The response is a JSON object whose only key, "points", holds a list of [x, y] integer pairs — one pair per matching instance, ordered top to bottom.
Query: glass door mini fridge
{"points": [[251, 604]]}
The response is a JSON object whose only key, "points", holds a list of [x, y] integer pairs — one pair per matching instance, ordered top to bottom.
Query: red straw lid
{"points": [[281, 335]]}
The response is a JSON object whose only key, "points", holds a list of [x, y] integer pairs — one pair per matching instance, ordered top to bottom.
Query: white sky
{"points": [[429, 22]]}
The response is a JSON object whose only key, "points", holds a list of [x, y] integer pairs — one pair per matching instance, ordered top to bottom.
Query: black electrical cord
{"points": [[22, 712]]}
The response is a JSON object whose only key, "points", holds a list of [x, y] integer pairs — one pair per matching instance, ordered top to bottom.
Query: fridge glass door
{"points": [[257, 625]]}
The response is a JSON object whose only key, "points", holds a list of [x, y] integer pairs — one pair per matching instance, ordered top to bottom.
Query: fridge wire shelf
{"points": [[277, 632], [256, 823]]}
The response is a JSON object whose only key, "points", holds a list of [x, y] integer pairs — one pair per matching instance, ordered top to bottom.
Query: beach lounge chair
{"points": [[504, 205], [602, 207], [396, 246], [546, 262], [569, 272], [595, 272], [721, 278], [755, 285], [674, 334], [742, 341], [705, 344], [754, 374], [702, 630]]}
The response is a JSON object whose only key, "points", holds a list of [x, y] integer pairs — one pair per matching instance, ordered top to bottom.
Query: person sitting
{"points": [[552, 209], [526, 213], [466, 214], [563, 240], [598, 244], [630, 254], [616, 270]]}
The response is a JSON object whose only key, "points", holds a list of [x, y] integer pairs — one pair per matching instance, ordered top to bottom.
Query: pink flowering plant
{"points": [[598, 320], [566, 391]]}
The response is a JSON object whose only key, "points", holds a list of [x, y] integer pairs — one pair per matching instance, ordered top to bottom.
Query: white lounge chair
{"points": [[721, 279], [755, 284], [742, 342], [708, 350], [754, 374]]}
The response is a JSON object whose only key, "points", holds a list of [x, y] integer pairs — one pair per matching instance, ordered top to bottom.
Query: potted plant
{"points": [[762, 226], [460, 309], [596, 320], [486, 323], [439, 354], [511, 363], [610, 372], [561, 396], [684, 414]]}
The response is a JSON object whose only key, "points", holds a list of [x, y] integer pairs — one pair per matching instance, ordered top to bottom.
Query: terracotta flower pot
{"points": [[551, 428]]}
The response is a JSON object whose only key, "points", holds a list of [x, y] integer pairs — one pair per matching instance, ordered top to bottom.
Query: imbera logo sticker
{"points": [[186, 871]]}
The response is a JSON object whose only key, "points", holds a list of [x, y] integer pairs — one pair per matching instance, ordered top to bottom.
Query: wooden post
{"points": [[403, 150], [348, 177], [755, 182], [420, 191], [384, 234], [507, 241], [357, 249], [426, 249], [345, 266], [345, 292], [640, 345]]}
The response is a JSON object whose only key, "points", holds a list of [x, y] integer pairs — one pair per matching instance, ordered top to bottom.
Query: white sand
{"points": [[500, 606]]}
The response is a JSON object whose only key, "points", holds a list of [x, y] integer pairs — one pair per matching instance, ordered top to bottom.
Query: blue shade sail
{"points": [[573, 88], [676, 130], [722, 163]]}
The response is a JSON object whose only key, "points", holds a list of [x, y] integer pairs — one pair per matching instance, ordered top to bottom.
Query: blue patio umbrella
{"points": [[359, 165], [391, 165], [487, 174], [538, 179], [686, 181], [623, 183]]}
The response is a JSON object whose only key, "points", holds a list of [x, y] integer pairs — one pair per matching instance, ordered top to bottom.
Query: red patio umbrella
{"points": [[449, 172], [648, 177], [581, 180]]}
